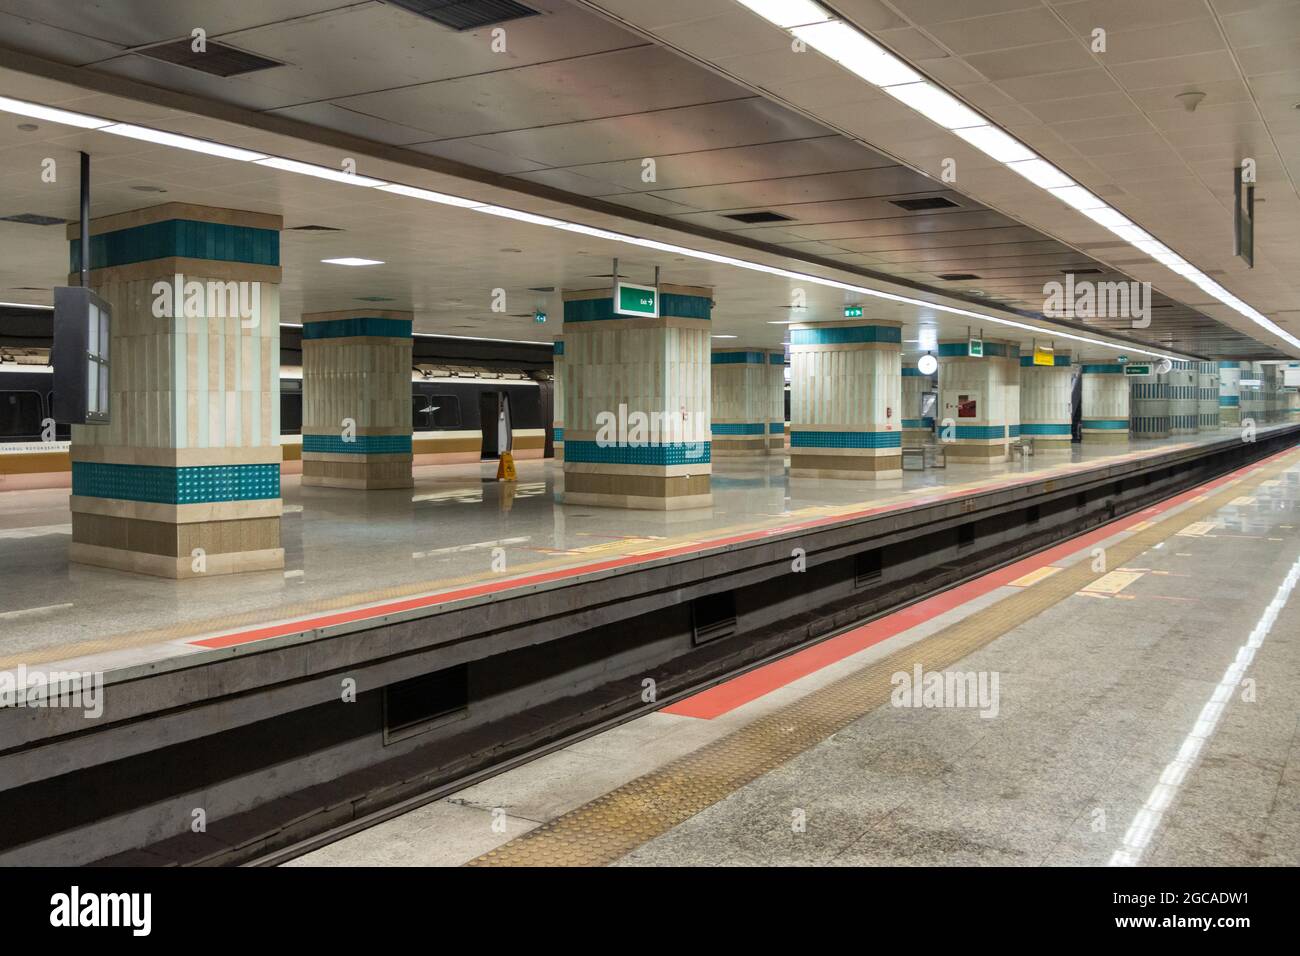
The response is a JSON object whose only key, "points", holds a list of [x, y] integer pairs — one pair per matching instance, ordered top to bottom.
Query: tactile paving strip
{"points": [[613, 825]]}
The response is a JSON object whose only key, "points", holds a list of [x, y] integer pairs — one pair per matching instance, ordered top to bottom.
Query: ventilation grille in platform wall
{"points": [[713, 616]]}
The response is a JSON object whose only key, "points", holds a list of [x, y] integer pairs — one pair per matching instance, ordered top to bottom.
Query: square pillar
{"points": [[1229, 394], [1207, 396], [557, 397], [846, 398], [356, 399], [979, 400], [1045, 400], [637, 401], [740, 405], [1184, 405], [1149, 406], [1105, 412], [916, 430], [776, 437], [184, 480]]}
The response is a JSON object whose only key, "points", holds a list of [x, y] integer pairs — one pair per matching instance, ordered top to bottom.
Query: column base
{"points": [[1109, 436], [860, 467], [359, 472], [637, 491], [166, 548], [182, 568]]}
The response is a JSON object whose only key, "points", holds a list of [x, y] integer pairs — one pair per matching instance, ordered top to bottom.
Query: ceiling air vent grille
{"points": [[466, 14], [217, 58], [929, 202], [756, 217], [34, 219], [313, 228], [958, 276]]}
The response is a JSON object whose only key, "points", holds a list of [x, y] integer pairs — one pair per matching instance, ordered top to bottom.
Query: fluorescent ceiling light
{"points": [[788, 13], [856, 53], [936, 105], [36, 111], [182, 142], [995, 143], [320, 172], [1041, 173], [428, 195], [1077, 197], [506, 212], [1105, 216], [1129, 232], [353, 261], [25, 305], [725, 336]]}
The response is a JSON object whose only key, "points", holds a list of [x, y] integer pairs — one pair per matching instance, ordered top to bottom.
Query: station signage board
{"points": [[638, 300], [853, 312], [976, 349], [1044, 355], [1137, 369]]}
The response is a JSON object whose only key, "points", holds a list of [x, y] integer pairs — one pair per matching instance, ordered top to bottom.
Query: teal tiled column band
{"points": [[180, 238], [671, 305], [357, 326], [847, 335], [557, 348], [991, 350], [738, 358], [777, 358], [1103, 370], [911, 371], [1229, 401], [1113, 424], [776, 427], [732, 428], [1044, 429], [980, 432], [559, 434], [808, 439], [359, 445], [662, 455], [162, 484]]}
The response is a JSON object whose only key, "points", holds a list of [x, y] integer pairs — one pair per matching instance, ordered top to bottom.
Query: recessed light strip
{"points": [[813, 24], [882, 69]]}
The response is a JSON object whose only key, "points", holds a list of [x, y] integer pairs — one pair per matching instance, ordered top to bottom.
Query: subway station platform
{"points": [[458, 536], [1144, 713]]}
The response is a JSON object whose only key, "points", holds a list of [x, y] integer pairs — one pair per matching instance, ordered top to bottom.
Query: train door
{"points": [[545, 403], [494, 418]]}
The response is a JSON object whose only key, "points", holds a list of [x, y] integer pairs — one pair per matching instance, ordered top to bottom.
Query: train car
{"points": [[459, 413]]}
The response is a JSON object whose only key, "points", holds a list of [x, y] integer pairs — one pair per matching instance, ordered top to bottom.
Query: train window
{"points": [[432, 412], [290, 413], [20, 415]]}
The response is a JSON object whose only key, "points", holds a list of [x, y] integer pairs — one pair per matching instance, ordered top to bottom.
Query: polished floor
{"points": [[458, 527], [1146, 708]]}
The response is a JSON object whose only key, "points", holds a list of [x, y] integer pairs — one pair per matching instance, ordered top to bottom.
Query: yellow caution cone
{"points": [[506, 467]]}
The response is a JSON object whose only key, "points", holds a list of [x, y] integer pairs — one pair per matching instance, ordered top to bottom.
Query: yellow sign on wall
{"points": [[1044, 355]]}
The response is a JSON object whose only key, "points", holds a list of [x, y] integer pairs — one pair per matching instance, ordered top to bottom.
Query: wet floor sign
{"points": [[506, 467]]}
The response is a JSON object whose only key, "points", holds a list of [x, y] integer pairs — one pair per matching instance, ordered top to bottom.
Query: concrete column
{"points": [[1229, 394], [1207, 396], [557, 397], [776, 397], [981, 398], [356, 399], [845, 400], [1045, 400], [636, 401], [740, 402], [1252, 403], [1184, 405], [1149, 406], [1105, 412], [916, 430], [184, 480]]}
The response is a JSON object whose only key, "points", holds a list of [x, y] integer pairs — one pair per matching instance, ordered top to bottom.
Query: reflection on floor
{"points": [[347, 548], [1146, 717]]}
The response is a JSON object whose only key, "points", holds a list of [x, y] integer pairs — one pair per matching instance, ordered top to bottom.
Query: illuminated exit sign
{"points": [[640, 300], [853, 312]]}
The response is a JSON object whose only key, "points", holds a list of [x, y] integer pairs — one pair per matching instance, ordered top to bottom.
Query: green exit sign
{"points": [[641, 300], [853, 312], [976, 349], [1137, 369]]}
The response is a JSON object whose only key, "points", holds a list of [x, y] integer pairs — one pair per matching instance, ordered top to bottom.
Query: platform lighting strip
{"points": [[816, 26], [211, 148]]}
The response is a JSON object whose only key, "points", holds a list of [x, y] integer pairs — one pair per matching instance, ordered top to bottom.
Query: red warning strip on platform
{"points": [[754, 684]]}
